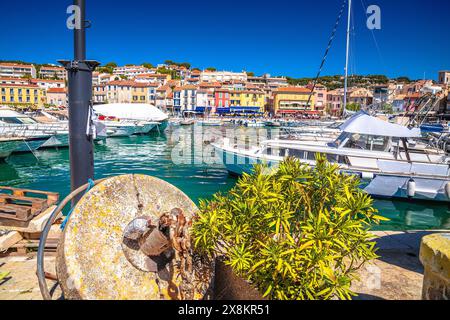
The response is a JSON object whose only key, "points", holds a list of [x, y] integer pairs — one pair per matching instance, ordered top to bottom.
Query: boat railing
{"points": [[340, 152]]}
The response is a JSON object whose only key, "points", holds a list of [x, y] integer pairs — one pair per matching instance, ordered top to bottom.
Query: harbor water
{"points": [[153, 155]]}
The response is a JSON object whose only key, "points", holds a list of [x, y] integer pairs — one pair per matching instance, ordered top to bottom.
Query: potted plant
{"points": [[292, 232]]}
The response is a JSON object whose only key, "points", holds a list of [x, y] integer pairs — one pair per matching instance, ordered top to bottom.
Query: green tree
{"points": [[147, 65], [211, 69], [250, 74], [353, 107], [388, 108], [295, 232]]}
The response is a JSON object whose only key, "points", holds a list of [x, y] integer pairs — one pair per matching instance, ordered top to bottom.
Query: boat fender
{"points": [[367, 175], [411, 188], [447, 190]]}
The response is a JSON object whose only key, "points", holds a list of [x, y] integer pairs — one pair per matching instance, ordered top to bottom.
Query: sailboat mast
{"points": [[347, 55]]}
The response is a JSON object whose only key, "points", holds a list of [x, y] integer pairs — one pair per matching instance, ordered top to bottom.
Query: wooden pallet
{"points": [[52, 197], [18, 207], [24, 247]]}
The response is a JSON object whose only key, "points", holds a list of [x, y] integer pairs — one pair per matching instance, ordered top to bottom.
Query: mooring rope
{"points": [[330, 42], [91, 184]]}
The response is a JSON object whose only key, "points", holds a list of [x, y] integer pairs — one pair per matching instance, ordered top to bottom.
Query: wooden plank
{"points": [[36, 204], [15, 212], [9, 239]]}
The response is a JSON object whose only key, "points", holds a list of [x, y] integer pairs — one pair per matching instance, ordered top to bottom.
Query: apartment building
{"points": [[15, 70], [131, 71], [53, 72], [222, 76], [444, 77], [102, 78], [160, 79], [9, 80], [48, 83], [268, 83], [120, 91], [139, 92], [383, 94], [22, 95], [99, 95], [320, 96], [360, 96], [57, 97], [164, 98], [185, 98], [221, 98], [248, 100], [294, 101], [335, 101], [202, 102]]}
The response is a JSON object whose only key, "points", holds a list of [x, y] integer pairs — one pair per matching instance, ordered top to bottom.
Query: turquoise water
{"points": [[153, 155]]}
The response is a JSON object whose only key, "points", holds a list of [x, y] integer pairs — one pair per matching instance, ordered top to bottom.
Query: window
{"points": [[311, 156]]}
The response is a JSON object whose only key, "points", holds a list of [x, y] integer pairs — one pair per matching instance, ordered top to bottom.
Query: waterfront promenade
{"points": [[401, 272]]}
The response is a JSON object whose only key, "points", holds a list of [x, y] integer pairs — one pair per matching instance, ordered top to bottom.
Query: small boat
{"points": [[187, 122], [210, 123], [272, 123], [254, 124], [375, 150]]}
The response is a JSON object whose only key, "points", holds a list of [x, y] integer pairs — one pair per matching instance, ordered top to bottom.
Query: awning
{"points": [[239, 109], [223, 110], [362, 123]]}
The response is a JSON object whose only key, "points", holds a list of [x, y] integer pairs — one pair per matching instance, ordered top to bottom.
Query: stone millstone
{"points": [[91, 261]]}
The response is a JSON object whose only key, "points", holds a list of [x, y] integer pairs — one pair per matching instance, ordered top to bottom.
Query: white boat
{"points": [[134, 111], [210, 123], [254, 124], [32, 134], [375, 150]]}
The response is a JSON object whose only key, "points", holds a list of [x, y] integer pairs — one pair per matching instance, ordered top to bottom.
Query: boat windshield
{"points": [[17, 120], [366, 142]]}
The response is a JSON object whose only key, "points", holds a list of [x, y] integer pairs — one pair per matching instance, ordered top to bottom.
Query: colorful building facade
{"points": [[22, 96], [294, 101]]}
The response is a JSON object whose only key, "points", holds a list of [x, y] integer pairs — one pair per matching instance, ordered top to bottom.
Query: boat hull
{"points": [[377, 185]]}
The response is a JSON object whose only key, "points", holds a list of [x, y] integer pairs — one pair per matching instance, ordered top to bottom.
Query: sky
{"points": [[282, 37]]}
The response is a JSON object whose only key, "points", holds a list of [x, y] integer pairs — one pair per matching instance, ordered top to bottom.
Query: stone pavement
{"points": [[396, 275], [22, 283]]}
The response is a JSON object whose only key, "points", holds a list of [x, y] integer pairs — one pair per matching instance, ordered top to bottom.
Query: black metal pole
{"points": [[80, 96]]}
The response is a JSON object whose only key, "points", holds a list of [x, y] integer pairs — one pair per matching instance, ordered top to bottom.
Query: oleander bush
{"points": [[295, 232]]}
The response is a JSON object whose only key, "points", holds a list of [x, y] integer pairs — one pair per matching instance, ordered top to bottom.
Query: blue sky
{"points": [[278, 37]]}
